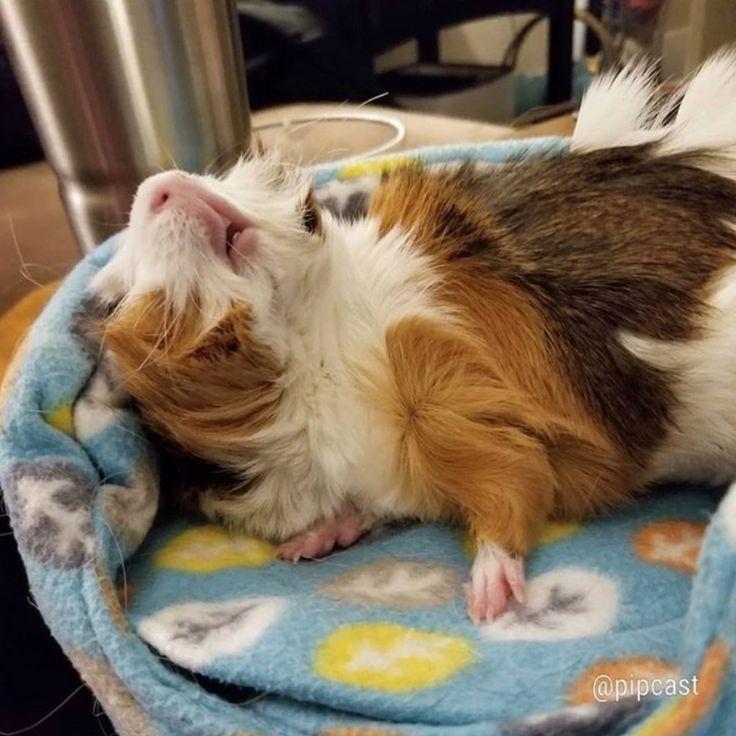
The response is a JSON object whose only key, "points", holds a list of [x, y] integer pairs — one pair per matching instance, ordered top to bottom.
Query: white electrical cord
{"points": [[295, 124]]}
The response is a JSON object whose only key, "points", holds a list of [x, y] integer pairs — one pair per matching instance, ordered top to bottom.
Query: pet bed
{"points": [[183, 630]]}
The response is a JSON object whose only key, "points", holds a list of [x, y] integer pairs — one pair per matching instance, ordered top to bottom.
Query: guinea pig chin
{"points": [[186, 255]]}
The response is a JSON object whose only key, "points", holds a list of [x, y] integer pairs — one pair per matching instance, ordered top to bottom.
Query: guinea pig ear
{"points": [[256, 146], [312, 215]]}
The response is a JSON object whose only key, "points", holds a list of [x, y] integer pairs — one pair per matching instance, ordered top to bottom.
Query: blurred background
{"points": [[478, 59], [121, 88], [97, 94]]}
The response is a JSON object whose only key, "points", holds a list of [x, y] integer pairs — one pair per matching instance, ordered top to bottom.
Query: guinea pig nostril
{"points": [[159, 200]]}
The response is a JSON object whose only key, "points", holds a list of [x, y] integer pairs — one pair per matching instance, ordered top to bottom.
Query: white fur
{"points": [[622, 109], [617, 110], [706, 119], [171, 252], [324, 306], [701, 443], [328, 446]]}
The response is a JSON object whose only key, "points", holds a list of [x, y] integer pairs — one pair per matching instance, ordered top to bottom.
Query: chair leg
{"points": [[428, 45], [559, 76], [171, 92]]}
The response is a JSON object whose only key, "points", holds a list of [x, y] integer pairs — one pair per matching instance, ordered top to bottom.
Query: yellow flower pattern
{"points": [[373, 166], [61, 418], [558, 530], [210, 548], [391, 658]]}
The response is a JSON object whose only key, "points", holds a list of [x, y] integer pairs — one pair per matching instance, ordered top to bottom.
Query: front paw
{"points": [[321, 538], [495, 576]]}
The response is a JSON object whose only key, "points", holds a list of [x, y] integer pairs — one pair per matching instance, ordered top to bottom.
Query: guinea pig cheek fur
{"points": [[206, 391]]}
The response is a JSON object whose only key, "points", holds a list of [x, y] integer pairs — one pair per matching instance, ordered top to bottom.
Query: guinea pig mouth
{"points": [[174, 196], [232, 235], [240, 240]]}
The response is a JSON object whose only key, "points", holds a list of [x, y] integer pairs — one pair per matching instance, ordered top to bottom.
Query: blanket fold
{"points": [[182, 629]]}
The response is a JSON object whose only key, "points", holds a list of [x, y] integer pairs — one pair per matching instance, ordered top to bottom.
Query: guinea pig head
{"points": [[199, 293]]}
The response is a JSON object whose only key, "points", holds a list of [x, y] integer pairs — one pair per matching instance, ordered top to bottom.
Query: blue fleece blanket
{"points": [[182, 629]]}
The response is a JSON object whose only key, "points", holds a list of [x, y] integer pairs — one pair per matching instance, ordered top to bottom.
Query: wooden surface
{"points": [[36, 244], [14, 323]]}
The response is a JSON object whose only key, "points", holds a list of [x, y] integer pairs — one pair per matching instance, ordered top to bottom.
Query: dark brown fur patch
{"points": [[311, 216], [597, 243], [184, 477]]}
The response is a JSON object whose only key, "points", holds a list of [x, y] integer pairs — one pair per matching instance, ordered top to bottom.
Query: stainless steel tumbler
{"points": [[120, 89]]}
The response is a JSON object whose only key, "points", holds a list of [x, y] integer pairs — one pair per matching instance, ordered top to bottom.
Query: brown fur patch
{"points": [[437, 208], [597, 243], [206, 393], [543, 412], [468, 442], [474, 446], [591, 470]]}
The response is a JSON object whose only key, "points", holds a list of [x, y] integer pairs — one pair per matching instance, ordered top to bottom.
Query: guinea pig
{"points": [[494, 347]]}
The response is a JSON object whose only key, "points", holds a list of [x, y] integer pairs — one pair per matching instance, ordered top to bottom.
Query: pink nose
{"points": [[175, 190], [160, 199]]}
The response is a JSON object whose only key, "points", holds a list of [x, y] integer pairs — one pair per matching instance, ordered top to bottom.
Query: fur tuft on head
{"points": [[617, 109], [625, 109]]}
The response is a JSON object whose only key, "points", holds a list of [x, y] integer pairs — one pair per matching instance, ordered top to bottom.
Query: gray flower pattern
{"points": [[50, 511]]}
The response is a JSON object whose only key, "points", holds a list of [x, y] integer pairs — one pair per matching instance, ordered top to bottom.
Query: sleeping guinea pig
{"points": [[494, 347]]}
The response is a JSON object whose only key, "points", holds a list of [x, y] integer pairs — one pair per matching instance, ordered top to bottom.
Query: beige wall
{"points": [[713, 24], [691, 29], [676, 30], [485, 41], [482, 42]]}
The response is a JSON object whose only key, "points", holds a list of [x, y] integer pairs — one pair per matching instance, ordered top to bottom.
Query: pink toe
{"points": [[348, 534], [321, 539], [327, 544], [313, 545], [285, 551], [513, 571], [496, 575], [497, 599], [473, 607]]}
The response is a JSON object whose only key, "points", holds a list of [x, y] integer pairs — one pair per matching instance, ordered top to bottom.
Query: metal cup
{"points": [[121, 89]]}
